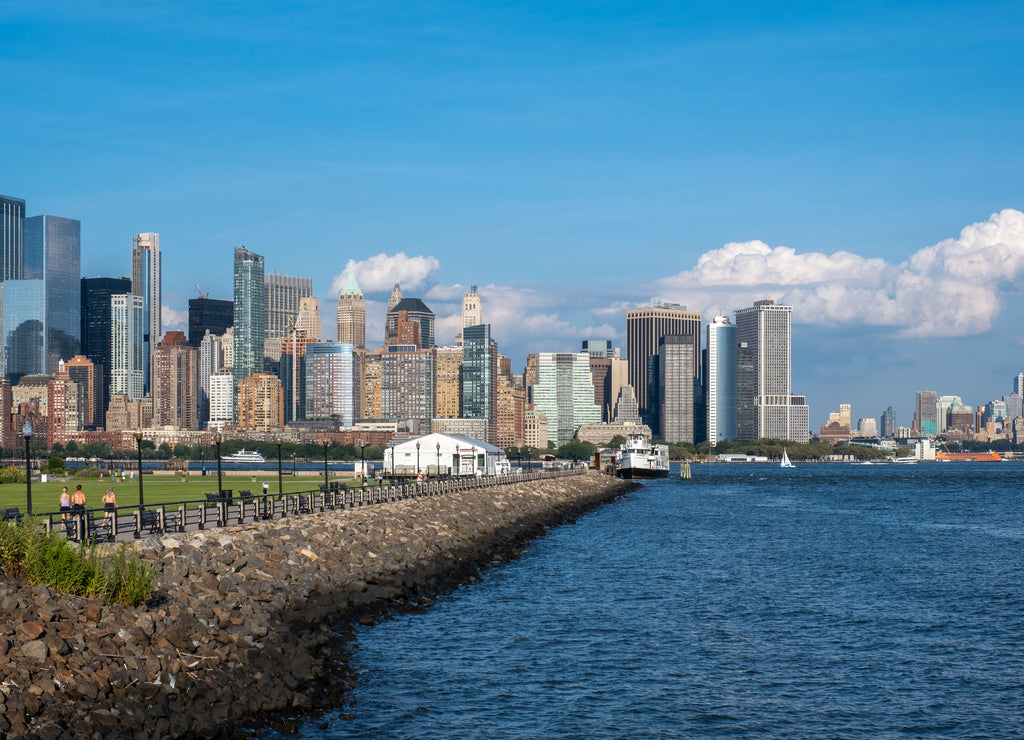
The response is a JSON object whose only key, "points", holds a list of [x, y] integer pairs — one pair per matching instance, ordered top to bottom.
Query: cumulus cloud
{"points": [[380, 273], [946, 290], [173, 320]]}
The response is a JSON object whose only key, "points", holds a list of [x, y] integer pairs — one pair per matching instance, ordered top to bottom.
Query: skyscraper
{"points": [[12, 237], [146, 262], [284, 294], [351, 310], [42, 311], [416, 311], [472, 312], [208, 314], [250, 314], [308, 320], [127, 327], [645, 328], [95, 332], [82, 371], [673, 377], [720, 380], [332, 382], [478, 383], [407, 386], [564, 393], [176, 396], [766, 406], [926, 413], [889, 423]]}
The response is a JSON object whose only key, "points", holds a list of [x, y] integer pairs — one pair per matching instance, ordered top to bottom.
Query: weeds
{"points": [[30, 553]]}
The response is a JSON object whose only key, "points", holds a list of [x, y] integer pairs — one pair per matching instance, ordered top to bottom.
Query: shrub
{"points": [[87, 472], [11, 474], [30, 553]]}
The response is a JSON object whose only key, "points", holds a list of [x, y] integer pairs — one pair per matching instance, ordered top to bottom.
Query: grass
{"points": [[157, 489], [31, 554]]}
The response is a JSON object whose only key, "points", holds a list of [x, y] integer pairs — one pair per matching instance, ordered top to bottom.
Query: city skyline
{"points": [[572, 163]]}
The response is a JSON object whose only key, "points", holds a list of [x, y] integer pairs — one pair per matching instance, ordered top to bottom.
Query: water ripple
{"points": [[842, 602]]}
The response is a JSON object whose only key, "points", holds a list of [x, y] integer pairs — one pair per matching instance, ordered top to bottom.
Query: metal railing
{"points": [[244, 507]]}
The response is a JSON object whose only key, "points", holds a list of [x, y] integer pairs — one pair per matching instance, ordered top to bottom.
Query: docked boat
{"points": [[243, 456], [638, 458]]}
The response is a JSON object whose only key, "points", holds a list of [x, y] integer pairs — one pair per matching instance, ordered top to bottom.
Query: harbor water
{"points": [[838, 600]]}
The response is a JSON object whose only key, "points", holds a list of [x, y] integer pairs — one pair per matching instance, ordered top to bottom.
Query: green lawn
{"points": [[157, 489]]}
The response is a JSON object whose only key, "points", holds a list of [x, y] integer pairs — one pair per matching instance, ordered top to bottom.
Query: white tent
{"points": [[451, 454]]}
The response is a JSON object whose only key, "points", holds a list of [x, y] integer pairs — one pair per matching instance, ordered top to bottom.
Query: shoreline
{"points": [[249, 626]]}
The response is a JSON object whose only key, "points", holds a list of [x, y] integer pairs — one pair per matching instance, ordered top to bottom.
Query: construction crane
{"points": [[200, 292]]}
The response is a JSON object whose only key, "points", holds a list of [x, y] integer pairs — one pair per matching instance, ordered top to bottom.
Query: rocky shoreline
{"points": [[247, 625]]}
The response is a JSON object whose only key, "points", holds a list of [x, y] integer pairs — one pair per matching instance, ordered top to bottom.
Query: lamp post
{"points": [[26, 432], [218, 439], [326, 442], [138, 444], [527, 449], [392, 458], [417, 458], [362, 459], [474, 462], [437, 471], [280, 487]]}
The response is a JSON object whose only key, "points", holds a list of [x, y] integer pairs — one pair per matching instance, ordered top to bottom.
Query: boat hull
{"points": [[631, 473]]}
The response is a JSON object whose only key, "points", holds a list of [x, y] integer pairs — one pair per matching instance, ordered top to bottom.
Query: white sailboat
{"points": [[785, 460]]}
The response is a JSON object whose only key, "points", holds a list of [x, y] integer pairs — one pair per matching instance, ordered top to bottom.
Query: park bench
{"points": [[10, 515]]}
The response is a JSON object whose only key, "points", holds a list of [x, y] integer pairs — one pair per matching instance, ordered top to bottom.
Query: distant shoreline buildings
{"points": [[86, 360]]}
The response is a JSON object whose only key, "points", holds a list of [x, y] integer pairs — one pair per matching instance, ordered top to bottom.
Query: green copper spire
{"points": [[351, 287]]}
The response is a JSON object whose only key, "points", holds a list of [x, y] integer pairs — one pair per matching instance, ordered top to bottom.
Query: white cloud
{"points": [[380, 273], [946, 290], [171, 319]]}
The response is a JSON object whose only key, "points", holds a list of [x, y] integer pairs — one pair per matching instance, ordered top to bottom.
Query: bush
{"points": [[87, 472], [11, 474], [37, 557]]}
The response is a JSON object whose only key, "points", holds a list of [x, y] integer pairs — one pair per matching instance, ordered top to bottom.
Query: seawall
{"points": [[247, 626]]}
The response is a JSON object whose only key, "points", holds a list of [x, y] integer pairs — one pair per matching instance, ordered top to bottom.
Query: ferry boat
{"points": [[242, 456], [638, 458]]}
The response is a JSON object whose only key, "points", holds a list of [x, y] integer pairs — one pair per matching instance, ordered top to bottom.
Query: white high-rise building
{"points": [[146, 261], [283, 295], [472, 312], [127, 329], [721, 380], [222, 399], [766, 407]]}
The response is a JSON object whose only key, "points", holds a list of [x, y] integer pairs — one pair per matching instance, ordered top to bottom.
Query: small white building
{"points": [[451, 454]]}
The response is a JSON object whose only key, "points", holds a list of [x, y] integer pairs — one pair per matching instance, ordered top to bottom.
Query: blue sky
{"points": [[859, 161]]}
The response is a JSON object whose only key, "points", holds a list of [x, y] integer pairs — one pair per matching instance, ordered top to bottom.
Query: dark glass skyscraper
{"points": [[12, 237], [208, 313], [249, 315], [95, 331]]}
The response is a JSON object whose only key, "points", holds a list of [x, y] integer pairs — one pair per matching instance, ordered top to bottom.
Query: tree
{"points": [[617, 441], [164, 451]]}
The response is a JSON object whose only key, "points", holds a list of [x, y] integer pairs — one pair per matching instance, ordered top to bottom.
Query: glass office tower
{"points": [[44, 307], [249, 315]]}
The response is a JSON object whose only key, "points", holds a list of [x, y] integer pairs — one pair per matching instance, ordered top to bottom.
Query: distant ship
{"points": [[244, 457], [638, 458]]}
